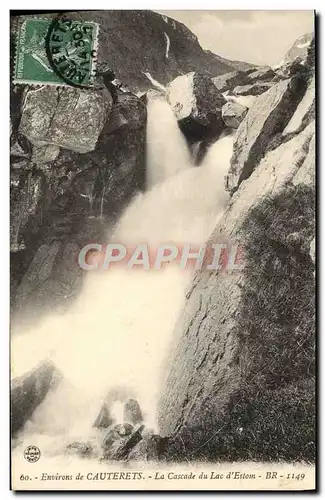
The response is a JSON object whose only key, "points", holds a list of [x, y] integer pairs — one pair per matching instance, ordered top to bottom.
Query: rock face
{"points": [[141, 38], [299, 49], [237, 65], [261, 75], [230, 80], [252, 81], [253, 89], [197, 105], [304, 111], [233, 114], [268, 116], [69, 118], [59, 203], [211, 342], [229, 381], [28, 391], [132, 412], [151, 448], [119, 449]]}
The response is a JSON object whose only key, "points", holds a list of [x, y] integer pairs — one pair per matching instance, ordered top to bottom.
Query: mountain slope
{"points": [[135, 42], [138, 42], [239, 65]]}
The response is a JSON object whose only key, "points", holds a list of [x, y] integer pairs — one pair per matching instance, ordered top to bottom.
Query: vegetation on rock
{"points": [[271, 415]]}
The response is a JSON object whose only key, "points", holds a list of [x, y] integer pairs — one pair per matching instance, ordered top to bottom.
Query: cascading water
{"points": [[162, 130], [118, 331]]}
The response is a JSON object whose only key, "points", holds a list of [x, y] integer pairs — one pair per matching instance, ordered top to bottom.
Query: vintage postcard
{"points": [[162, 198]]}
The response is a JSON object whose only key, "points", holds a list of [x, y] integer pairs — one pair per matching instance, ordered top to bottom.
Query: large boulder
{"points": [[261, 75], [230, 80], [253, 89], [197, 105], [233, 114], [268, 116], [68, 117], [45, 154], [27, 189], [66, 201], [38, 271], [236, 329], [29, 390], [132, 412], [104, 419], [121, 441], [151, 448]]}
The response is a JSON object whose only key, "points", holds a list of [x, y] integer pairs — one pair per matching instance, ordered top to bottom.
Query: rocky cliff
{"points": [[240, 381]]}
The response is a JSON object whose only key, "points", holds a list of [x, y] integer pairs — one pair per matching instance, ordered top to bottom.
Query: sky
{"points": [[260, 36]]}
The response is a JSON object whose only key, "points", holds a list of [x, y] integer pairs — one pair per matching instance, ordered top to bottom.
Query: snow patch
{"points": [[167, 44], [302, 45]]}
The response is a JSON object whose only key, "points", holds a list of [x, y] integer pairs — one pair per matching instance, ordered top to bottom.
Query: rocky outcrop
{"points": [[140, 38], [237, 65], [261, 75], [230, 80], [253, 81], [253, 89], [197, 105], [233, 114], [268, 116], [65, 117], [307, 172], [61, 202], [312, 250], [236, 331], [28, 391], [132, 412], [221, 418], [119, 446], [151, 448]]}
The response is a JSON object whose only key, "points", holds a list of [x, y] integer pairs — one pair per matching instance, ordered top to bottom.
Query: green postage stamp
{"points": [[56, 52]]}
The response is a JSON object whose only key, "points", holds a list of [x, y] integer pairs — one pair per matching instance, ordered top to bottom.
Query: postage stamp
{"points": [[56, 52]]}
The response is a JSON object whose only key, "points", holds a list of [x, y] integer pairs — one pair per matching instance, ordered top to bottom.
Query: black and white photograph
{"points": [[163, 250]]}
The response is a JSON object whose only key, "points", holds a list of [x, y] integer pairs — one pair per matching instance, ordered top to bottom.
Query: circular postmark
{"points": [[71, 47], [32, 454]]}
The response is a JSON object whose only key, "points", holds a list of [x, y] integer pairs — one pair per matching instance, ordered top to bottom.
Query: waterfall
{"points": [[167, 151], [118, 331]]}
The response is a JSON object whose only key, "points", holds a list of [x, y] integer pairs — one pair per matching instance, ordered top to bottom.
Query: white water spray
{"points": [[167, 151], [119, 330]]}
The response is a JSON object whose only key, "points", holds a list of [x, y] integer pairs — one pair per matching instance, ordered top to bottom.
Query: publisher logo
{"points": [[32, 454]]}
